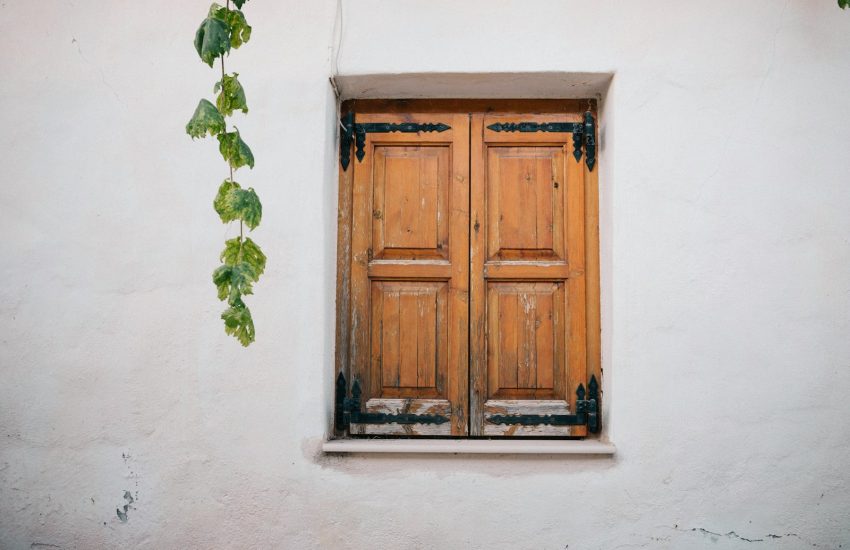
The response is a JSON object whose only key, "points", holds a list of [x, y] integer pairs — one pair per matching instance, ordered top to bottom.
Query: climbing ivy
{"points": [[242, 260]]}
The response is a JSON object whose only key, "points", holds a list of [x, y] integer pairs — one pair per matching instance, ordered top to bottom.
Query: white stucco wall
{"points": [[725, 183]]}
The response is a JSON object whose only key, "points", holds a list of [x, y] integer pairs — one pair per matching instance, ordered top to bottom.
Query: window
{"points": [[468, 278]]}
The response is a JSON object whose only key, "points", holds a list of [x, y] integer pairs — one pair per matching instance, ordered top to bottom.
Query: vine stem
{"points": [[241, 231]]}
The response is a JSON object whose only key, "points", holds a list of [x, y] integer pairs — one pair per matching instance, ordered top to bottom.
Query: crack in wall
{"points": [[735, 536]]}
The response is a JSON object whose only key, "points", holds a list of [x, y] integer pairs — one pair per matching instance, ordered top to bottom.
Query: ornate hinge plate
{"points": [[529, 127], [356, 132], [584, 134], [345, 137], [347, 410], [587, 412]]}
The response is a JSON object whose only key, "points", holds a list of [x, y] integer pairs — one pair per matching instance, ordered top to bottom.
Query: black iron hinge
{"points": [[356, 132], [584, 134], [345, 137], [347, 410], [587, 412]]}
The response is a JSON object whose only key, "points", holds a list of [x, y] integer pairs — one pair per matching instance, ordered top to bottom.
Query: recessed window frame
{"points": [[506, 106]]}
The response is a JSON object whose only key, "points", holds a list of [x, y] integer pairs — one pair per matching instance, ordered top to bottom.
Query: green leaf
{"points": [[843, 4], [217, 11], [240, 30], [212, 39], [232, 96], [206, 119], [235, 151], [220, 202], [234, 203], [245, 204], [230, 254], [250, 254], [253, 256], [244, 262], [234, 281], [238, 323]]}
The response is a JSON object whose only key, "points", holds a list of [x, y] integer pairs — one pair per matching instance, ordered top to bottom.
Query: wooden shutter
{"points": [[410, 273], [528, 345]]}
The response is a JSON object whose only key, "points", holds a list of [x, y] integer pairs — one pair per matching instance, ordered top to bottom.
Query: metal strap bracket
{"points": [[356, 132], [584, 134], [347, 410], [587, 412]]}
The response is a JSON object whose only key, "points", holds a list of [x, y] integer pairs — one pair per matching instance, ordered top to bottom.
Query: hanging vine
{"points": [[242, 260]]}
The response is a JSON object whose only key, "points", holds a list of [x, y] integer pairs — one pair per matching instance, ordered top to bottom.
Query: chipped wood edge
{"points": [[416, 406], [494, 407]]}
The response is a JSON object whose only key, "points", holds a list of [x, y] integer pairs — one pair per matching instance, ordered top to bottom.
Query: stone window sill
{"points": [[469, 446]]}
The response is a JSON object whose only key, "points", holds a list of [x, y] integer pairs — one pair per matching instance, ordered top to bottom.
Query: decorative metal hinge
{"points": [[352, 131], [584, 134], [345, 137], [589, 143], [347, 410], [587, 412]]}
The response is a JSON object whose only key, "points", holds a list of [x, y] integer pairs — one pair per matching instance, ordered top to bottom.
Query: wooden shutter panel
{"points": [[410, 273], [527, 278]]}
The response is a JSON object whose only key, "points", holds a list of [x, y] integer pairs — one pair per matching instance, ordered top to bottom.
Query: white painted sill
{"points": [[469, 446]]}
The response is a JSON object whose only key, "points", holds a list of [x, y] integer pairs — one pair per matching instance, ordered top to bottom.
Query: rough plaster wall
{"points": [[726, 296]]}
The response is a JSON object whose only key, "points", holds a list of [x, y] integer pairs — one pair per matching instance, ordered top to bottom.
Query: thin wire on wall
{"points": [[336, 48]]}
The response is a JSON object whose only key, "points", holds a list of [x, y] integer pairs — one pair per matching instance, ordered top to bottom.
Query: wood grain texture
{"points": [[410, 197], [525, 208], [361, 252], [409, 267], [400, 269], [519, 270], [527, 271], [343, 274], [592, 276], [524, 320], [458, 322], [576, 328], [409, 337], [480, 384]]}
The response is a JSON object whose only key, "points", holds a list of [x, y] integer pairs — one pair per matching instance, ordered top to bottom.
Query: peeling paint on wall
{"points": [[122, 514]]}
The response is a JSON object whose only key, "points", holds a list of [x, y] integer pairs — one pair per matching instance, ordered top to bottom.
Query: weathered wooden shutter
{"points": [[410, 272], [469, 283], [528, 349]]}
